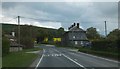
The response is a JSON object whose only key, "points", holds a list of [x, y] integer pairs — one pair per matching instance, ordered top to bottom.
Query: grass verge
{"points": [[110, 55], [19, 59]]}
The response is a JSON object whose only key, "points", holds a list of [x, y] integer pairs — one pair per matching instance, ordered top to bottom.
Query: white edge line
{"points": [[99, 57], [40, 59], [71, 59]]}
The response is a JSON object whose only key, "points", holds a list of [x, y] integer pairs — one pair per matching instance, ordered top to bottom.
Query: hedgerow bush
{"points": [[105, 45], [5, 46], [100, 53]]}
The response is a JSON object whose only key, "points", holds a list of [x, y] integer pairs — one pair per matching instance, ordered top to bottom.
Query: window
{"points": [[74, 37], [76, 42], [81, 42]]}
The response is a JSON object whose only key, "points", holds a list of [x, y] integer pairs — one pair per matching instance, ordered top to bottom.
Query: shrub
{"points": [[27, 42], [105, 45], [5, 46], [100, 53]]}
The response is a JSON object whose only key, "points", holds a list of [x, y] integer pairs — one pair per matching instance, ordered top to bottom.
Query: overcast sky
{"points": [[63, 14]]}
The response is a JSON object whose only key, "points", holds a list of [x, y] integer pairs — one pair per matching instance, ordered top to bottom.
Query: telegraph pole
{"points": [[118, 25], [105, 29], [18, 33]]}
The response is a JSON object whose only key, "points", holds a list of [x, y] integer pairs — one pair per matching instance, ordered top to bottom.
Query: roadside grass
{"points": [[37, 44], [33, 49], [106, 54], [19, 59]]}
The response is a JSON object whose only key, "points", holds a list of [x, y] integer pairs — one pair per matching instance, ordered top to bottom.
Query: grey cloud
{"points": [[109, 9], [88, 14]]}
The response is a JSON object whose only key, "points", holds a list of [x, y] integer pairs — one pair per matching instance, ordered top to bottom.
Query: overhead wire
{"points": [[41, 19], [9, 20], [45, 20]]}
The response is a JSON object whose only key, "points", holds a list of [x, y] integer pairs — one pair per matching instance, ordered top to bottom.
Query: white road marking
{"points": [[50, 45], [43, 50], [44, 55], [52, 55], [99, 57], [40, 59], [71, 59], [74, 61], [93, 68]]}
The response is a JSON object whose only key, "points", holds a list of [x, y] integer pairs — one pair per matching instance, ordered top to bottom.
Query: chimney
{"points": [[74, 24], [77, 25], [68, 28]]}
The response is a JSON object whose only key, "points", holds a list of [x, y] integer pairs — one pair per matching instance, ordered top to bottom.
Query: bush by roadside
{"points": [[105, 45], [5, 46], [100, 53]]}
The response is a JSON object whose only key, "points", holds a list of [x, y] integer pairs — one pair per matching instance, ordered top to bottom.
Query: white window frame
{"points": [[76, 42]]}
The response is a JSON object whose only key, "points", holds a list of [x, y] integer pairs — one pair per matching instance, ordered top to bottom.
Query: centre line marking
{"points": [[40, 59]]}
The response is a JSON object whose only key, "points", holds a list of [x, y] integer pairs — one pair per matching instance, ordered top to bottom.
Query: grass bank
{"points": [[106, 54], [19, 59]]}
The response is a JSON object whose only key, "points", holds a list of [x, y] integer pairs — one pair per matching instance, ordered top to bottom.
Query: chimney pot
{"points": [[74, 24], [77, 25]]}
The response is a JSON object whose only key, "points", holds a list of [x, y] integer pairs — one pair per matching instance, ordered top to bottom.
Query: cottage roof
{"points": [[76, 29]]}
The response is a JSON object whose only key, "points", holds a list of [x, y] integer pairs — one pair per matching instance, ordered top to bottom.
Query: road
{"points": [[63, 57]]}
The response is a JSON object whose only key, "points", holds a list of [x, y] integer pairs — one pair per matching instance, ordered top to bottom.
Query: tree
{"points": [[60, 32], [92, 34], [114, 35], [26, 37]]}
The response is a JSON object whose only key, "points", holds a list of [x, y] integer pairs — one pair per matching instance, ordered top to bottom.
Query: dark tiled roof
{"points": [[76, 29]]}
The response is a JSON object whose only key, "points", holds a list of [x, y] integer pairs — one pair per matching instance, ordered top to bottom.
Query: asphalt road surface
{"points": [[63, 57]]}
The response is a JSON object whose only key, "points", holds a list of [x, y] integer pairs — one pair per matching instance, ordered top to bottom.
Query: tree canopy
{"points": [[92, 33], [114, 35]]}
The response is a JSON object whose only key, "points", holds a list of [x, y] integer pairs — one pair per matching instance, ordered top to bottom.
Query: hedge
{"points": [[105, 45], [5, 46], [101, 53]]}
